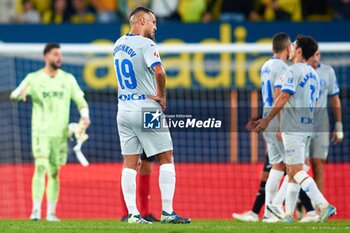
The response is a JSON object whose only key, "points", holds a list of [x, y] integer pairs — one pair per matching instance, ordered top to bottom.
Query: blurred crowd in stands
{"points": [[188, 11]]}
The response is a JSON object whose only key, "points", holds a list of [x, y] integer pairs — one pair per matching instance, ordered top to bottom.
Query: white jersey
{"points": [[134, 59], [270, 75], [302, 82], [328, 84], [328, 87]]}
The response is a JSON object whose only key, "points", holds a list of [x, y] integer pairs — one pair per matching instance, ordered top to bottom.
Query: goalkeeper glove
{"points": [[79, 131]]}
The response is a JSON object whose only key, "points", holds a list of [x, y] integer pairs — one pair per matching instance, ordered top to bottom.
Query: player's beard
{"points": [[150, 36], [55, 66]]}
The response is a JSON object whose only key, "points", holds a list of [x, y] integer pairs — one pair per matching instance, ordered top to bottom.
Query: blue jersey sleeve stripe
{"points": [[156, 63], [288, 91], [337, 93]]}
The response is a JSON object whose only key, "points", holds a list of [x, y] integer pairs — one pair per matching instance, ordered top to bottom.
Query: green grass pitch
{"points": [[217, 226]]}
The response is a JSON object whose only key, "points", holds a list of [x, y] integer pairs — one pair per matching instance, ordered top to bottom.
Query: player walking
{"points": [[270, 75], [297, 101]]}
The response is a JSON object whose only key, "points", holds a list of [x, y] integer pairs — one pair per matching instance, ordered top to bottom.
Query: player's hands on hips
{"points": [[160, 99], [261, 125]]}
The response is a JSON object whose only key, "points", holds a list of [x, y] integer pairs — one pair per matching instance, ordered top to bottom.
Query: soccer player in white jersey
{"points": [[270, 75], [141, 80], [297, 101], [320, 139]]}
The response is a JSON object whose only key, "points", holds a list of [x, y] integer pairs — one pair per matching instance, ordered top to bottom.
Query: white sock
{"points": [[167, 186], [271, 187], [310, 188], [129, 190], [281, 194], [291, 198], [36, 206], [51, 207]]}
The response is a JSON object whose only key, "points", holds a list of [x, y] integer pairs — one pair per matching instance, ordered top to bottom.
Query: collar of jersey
{"points": [[128, 34]]}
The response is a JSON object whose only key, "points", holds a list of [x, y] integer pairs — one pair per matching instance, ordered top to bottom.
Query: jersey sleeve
{"points": [[151, 55], [290, 81], [333, 83], [16, 94], [77, 94]]}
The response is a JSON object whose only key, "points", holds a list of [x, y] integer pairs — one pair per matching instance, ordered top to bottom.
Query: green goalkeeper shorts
{"points": [[52, 148]]}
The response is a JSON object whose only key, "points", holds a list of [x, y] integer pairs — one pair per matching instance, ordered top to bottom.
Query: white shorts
{"points": [[134, 139], [319, 145], [296, 147], [275, 149]]}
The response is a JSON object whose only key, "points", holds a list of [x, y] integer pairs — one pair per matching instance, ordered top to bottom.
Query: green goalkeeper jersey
{"points": [[51, 97]]}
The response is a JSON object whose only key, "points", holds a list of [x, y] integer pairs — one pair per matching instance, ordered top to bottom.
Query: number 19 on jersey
{"points": [[126, 78]]}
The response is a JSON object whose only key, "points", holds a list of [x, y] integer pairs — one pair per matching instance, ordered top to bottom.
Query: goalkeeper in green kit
{"points": [[51, 90]]}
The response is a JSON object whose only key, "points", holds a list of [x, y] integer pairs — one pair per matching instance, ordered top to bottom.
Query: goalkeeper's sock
{"points": [[53, 183], [38, 184], [167, 186], [271, 187], [129, 189], [144, 193], [260, 198], [291, 198], [36, 206], [51, 207], [123, 207]]}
